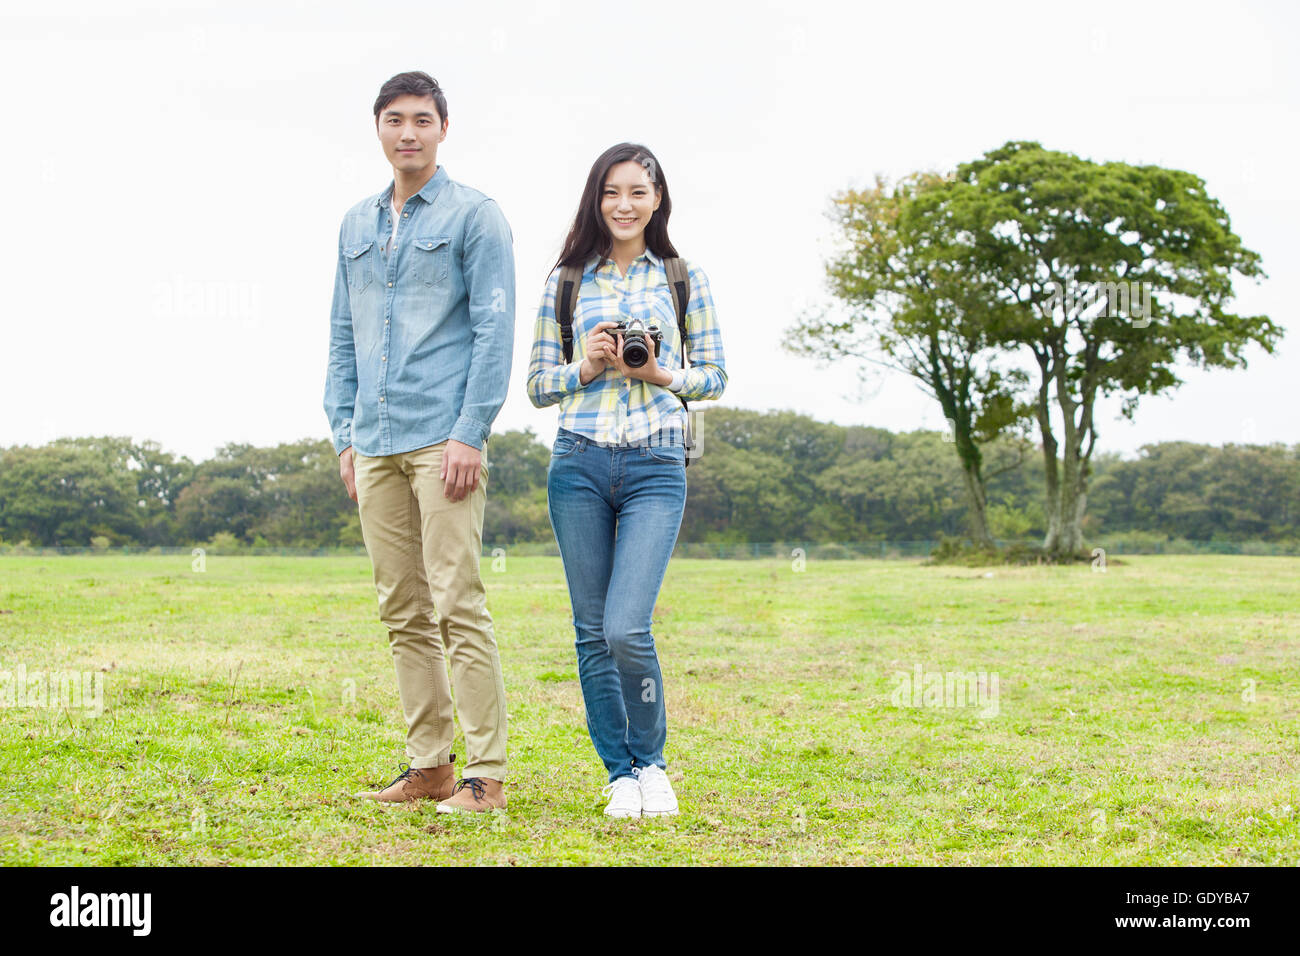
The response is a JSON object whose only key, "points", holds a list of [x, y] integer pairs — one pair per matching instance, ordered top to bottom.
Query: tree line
{"points": [[762, 477]]}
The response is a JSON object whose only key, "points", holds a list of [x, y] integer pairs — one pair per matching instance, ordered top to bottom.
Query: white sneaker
{"points": [[624, 797], [657, 797]]}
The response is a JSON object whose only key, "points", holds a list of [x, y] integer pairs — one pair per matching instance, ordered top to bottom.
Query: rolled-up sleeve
{"points": [[489, 269], [707, 375], [550, 378]]}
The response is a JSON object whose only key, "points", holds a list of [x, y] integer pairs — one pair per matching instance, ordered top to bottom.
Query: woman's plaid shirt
{"points": [[611, 409]]}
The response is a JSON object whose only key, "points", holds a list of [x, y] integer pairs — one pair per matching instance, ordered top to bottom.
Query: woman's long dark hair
{"points": [[589, 236]]}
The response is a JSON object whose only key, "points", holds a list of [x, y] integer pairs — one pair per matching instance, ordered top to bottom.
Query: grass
{"points": [[1144, 716]]}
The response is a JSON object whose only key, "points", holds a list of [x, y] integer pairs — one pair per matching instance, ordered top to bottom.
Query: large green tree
{"points": [[1108, 275], [1032, 282]]}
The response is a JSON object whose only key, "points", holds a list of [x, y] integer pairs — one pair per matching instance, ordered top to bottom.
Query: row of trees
{"points": [[763, 477]]}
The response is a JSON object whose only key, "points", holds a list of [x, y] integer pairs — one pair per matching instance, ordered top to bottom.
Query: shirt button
{"points": [[390, 285], [385, 321], [383, 358], [381, 398]]}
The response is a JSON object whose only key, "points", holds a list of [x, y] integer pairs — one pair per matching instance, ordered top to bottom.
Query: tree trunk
{"points": [[968, 453], [1051, 473], [1074, 492], [1070, 496], [1074, 500], [979, 519]]}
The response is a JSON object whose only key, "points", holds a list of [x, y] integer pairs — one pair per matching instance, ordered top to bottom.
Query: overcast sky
{"points": [[174, 177]]}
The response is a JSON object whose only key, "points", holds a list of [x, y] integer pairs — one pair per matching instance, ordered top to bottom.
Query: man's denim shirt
{"points": [[422, 328]]}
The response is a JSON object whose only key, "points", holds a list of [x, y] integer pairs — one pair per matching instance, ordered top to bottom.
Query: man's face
{"points": [[410, 130]]}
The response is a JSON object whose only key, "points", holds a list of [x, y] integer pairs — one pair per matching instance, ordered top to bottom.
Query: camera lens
{"points": [[635, 353]]}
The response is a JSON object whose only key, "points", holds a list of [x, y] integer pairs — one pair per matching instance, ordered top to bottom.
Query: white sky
{"points": [[202, 154]]}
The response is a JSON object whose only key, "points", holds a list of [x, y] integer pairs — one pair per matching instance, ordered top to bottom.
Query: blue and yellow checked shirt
{"points": [[610, 408]]}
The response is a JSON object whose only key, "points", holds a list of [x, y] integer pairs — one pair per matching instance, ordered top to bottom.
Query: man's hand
{"points": [[460, 465], [347, 472]]}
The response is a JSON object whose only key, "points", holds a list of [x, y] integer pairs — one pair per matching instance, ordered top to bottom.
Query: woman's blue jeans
{"points": [[616, 513]]}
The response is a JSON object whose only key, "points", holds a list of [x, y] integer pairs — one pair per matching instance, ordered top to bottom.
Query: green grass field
{"points": [[1145, 715]]}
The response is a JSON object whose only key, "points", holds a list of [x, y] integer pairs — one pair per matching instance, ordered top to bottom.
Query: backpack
{"points": [[679, 282]]}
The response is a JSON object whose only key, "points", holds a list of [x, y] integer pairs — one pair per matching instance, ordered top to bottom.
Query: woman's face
{"points": [[628, 200]]}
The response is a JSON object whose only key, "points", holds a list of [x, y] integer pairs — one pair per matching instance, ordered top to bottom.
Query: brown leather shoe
{"points": [[434, 783], [475, 795]]}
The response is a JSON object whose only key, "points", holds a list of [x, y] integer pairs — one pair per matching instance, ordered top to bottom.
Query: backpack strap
{"points": [[680, 283], [566, 297]]}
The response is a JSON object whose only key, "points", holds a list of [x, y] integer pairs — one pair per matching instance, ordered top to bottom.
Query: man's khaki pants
{"points": [[425, 551]]}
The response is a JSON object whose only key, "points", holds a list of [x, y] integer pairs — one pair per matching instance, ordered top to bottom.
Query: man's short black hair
{"points": [[416, 83]]}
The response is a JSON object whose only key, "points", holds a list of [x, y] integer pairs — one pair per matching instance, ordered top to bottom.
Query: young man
{"points": [[419, 359]]}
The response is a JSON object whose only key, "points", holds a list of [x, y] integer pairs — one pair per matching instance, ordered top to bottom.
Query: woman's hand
{"points": [[600, 352], [650, 372]]}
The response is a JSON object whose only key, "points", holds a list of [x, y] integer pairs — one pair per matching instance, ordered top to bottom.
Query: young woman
{"points": [[617, 480]]}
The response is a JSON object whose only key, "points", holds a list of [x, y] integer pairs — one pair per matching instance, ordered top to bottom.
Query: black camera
{"points": [[635, 350]]}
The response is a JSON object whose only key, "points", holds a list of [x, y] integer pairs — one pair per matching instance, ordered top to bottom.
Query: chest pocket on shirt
{"points": [[431, 258], [359, 262]]}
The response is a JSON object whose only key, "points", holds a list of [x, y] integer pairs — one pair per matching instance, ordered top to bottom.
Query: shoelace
{"points": [[407, 772], [654, 780], [475, 785], [608, 789]]}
